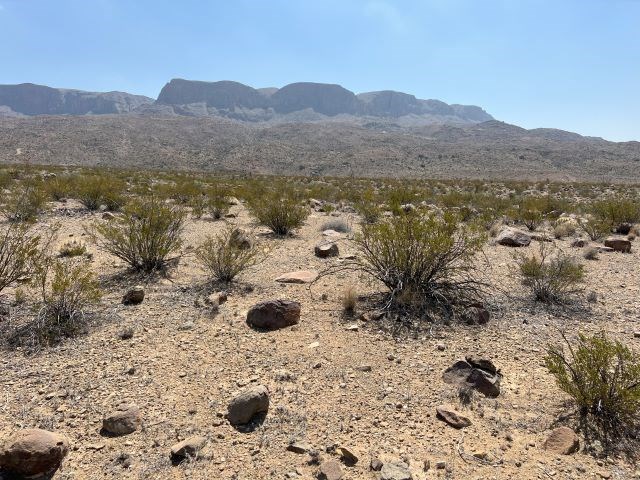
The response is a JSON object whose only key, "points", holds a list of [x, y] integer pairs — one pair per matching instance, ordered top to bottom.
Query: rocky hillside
{"points": [[31, 99], [305, 101], [485, 150]]}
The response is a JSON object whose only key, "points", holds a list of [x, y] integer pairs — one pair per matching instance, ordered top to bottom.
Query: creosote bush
{"points": [[96, 190], [26, 202], [281, 211], [145, 235], [72, 248], [21, 253], [224, 257], [426, 261], [551, 279], [602, 376]]}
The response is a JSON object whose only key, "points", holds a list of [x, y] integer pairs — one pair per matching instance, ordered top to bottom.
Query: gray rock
{"points": [[512, 237], [326, 250], [134, 295], [243, 407], [125, 420], [187, 448], [395, 471]]}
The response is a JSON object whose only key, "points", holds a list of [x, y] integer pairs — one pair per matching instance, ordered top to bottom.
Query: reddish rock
{"points": [[274, 314], [563, 441]]}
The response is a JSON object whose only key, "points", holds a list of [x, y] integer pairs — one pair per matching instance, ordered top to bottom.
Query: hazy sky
{"points": [[570, 64]]}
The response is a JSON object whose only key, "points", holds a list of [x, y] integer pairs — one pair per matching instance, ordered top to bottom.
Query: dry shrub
{"points": [[96, 190], [26, 202], [281, 211], [145, 235], [73, 248], [21, 253], [591, 253], [224, 257], [426, 261], [551, 278], [349, 300]]}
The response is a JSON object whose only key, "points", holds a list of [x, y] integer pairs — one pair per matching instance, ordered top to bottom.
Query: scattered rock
{"points": [[624, 228], [512, 237], [240, 239], [579, 243], [618, 244], [326, 250], [300, 276], [134, 295], [274, 314], [477, 314], [481, 363], [464, 374], [243, 407], [452, 417], [124, 421], [563, 441], [299, 447], [188, 448], [33, 452], [347, 456], [375, 464], [330, 470], [395, 471]]}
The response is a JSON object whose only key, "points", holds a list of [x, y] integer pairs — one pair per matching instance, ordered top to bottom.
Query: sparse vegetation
{"points": [[97, 190], [25, 202], [281, 211], [145, 235], [73, 248], [21, 254], [224, 258], [426, 262], [551, 278], [349, 300], [602, 376]]}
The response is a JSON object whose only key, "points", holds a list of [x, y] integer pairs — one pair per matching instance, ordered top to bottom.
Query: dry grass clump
{"points": [[145, 235], [72, 248], [591, 253], [224, 257], [551, 279], [349, 300], [602, 376]]}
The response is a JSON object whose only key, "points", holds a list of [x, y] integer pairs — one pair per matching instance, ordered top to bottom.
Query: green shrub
{"points": [[60, 187], [96, 190], [26, 202], [217, 204], [281, 211], [616, 211], [597, 228], [145, 235], [21, 254], [224, 257], [424, 261], [550, 279], [602, 376]]}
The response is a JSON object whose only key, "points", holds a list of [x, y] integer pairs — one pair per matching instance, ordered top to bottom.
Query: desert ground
{"points": [[334, 380]]}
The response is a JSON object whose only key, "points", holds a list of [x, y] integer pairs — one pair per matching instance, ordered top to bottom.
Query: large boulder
{"points": [[512, 237], [618, 244], [274, 314], [476, 373], [244, 406], [127, 419], [33, 452]]}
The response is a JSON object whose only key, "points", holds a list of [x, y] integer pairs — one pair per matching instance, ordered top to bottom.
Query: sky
{"points": [[569, 64]]}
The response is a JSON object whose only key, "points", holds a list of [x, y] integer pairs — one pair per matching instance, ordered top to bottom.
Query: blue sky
{"points": [[570, 64]]}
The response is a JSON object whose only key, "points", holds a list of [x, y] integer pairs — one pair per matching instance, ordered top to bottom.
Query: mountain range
{"points": [[303, 101], [300, 129]]}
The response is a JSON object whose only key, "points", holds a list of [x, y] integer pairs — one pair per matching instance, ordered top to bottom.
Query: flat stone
{"points": [[300, 276], [452, 417], [187, 448], [395, 471]]}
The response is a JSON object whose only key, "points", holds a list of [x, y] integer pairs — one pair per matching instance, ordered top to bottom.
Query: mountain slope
{"points": [[486, 150]]}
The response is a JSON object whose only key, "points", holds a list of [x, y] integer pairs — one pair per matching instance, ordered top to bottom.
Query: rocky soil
{"points": [[347, 397]]}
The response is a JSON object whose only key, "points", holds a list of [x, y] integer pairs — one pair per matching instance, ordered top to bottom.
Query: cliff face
{"points": [[229, 98], [31, 99]]}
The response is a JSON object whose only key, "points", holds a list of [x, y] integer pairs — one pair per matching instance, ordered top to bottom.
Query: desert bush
{"points": [[60, 187], [96, 190], [26, 202], [217, 204], [367, 206], [281, 211], [615, 211], [337, 224], [597, 228], [564, 229], [145, 235], [73, 248], [21, 254], [224, 258], [426, 262], [551, 279], [68, 290], [602, 376]]}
